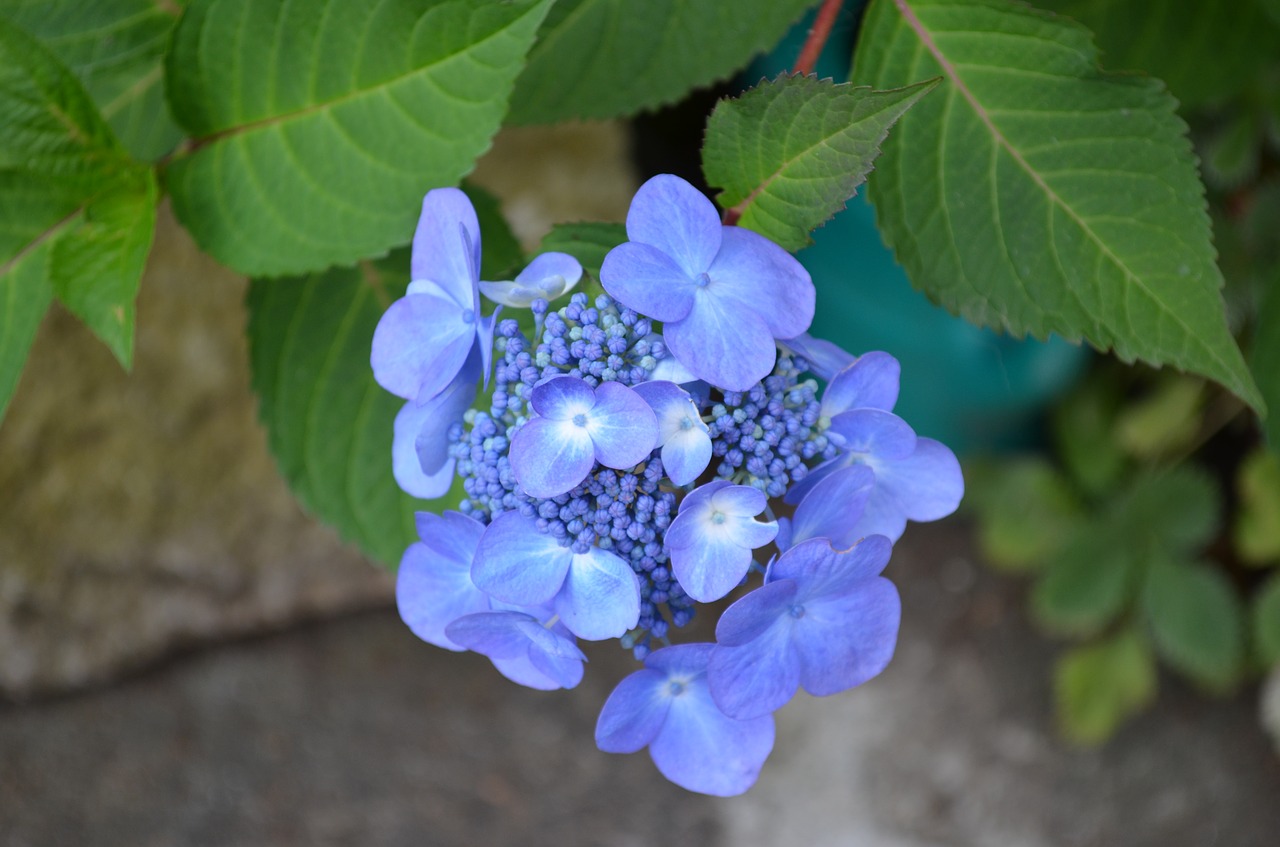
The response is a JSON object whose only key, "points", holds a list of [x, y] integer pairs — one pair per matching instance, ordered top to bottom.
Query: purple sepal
{"points": [[825, 359], [870, 382], [682, 434], [833, 508], [712, 538], [516, 563], [433, 585], [600, 597], [510, 637]]}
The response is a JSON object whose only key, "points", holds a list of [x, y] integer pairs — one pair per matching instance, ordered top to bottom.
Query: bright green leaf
{"points": [[115, 48], [1204, 51], [607, 58], [315, 149], [788, 154], [1034, 193], [76, 213], [586, 242], [25, 294], [1164, 421], [329, 424], [1026, 512], [1257, 527], [1086, 585], [1196, 621], [1266, 622], [1099, 685]]}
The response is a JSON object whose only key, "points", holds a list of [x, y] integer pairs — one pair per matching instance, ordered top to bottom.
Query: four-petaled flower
{"points": [[712, 539]]}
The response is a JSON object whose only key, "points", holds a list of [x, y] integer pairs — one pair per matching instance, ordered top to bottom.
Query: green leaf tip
{"points": [[787, 154], [1028, 192]]}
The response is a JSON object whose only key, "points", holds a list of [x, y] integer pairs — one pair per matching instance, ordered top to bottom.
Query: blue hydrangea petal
{"points": [[670, 214], [441, 251], [548, 276], [759, 276], [644, 278], [485, 327], [722, 344], [419, 345], [825, 358], [871, 382], [561, 398], [622, 427], [871, 431], [431, 442], [686, 454], [550, 457], [406, 467], [925, 486], [800, 490], [739, 500], [833, 507], [882, 515], [752, 533], [452, 535], [518, 564], [711, 568], [820, 570], [433, 591], [600, 598], [757, 611], [493, 634], [844, 641], [521, 648], [553, 653], [520, 670], [758, 677], [634, 713], [701, 749]]}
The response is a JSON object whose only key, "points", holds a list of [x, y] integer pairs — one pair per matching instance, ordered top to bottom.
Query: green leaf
{"points": [[114, 47], [1204, 51], [608, 58], [316, 149], [1232, 153], [788, 154], [1036, 194], [76, 213], [586, 242], [502, 257], [25, 294], [1264, 357], [1164, 421], [329, 424], [1084, 433], [1176, 510], [1026, 512], [1257, 528], [1086, 585], [1197, 621], [1266, 622], [1100, 685]]}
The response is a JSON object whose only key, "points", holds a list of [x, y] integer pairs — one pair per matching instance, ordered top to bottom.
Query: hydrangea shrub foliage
{"points": [[599, 441]]}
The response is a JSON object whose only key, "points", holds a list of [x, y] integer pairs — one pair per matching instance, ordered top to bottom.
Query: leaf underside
{"points": [[302, 161], [1034, 193]]}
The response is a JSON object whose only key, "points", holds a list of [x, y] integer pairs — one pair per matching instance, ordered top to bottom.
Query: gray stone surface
{"points": [[355, 733]]}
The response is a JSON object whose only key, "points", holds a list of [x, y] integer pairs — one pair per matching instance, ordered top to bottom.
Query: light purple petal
{"points": [[670, 214], [440, 251], [548, 266], [760, 276], [644, 278], [484, 340], [722, 344], [419, 345], [825, 359], [871, 382], [561, 398], [672, 406], [441, 412], [622, 427], [873, 432], [686, 455], [550, 457], [406, 467], [927, 485], [798, 491], [739, 500], [834, 506], [882, 515], [452, 535], [518, 564], [710, 568], [820, 570], [433, 591], [600, 598], [749, 617], [494, 634], [843, 642], [554, 654], [521, 671], [758, 677], [634, 712], [701, 749]]}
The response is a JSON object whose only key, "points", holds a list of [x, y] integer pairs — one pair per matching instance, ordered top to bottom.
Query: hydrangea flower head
{"points": [[723, 293]]}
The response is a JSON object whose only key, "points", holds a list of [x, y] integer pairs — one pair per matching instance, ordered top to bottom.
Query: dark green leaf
{"points": [[114, 47], [1205, 51], [606, 58], [316, 149], [788, 154], [1231, 154], [1031, 190], [586, 242], [502, 257], [1264, 357], [329, 424], [1084, 433], [1176, 511], [1026, 512], [1087, 583], [1196, 621], [1266, 622], [1099, 685]]}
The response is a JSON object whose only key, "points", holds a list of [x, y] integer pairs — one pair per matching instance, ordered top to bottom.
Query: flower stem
{"points": [[818, 35]]}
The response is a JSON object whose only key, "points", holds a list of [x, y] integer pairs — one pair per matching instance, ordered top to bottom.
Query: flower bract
{"points": [[712, 539]]}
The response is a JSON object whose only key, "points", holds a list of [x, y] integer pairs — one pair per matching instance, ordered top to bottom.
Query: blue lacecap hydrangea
{"points": [[639, 454]]}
